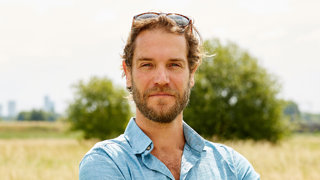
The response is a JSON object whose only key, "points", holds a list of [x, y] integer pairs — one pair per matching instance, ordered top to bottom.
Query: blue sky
{"points": [[48, 45]]}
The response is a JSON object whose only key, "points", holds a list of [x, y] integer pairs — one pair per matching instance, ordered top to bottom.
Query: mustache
{"points": [[158, 89]]}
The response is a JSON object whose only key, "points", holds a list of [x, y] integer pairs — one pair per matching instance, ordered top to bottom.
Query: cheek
{"points": [[141, 80], [180, 83]]}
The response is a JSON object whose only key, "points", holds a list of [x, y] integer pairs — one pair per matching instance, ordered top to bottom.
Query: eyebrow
{"points": [[144, 59], [151, 59], [177, 59]]}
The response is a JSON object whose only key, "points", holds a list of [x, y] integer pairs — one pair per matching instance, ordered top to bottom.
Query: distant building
{"points": [[48, 105], [12, 109]]}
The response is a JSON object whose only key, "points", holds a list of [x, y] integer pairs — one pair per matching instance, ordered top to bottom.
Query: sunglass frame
{"points": [[166, 14]]}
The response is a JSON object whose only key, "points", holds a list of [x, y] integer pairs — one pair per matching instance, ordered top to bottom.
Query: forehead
{"points": [[160, 43]]}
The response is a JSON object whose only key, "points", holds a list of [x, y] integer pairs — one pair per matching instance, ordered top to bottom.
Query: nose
{"points": [[161, 77]]}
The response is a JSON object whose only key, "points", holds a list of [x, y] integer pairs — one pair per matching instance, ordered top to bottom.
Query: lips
{"points": [[161, 94]]}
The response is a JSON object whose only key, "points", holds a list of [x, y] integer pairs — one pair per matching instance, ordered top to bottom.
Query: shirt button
{"points": [[149, 147]]}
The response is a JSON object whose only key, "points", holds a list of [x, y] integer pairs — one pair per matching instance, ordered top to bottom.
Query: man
{"points": [[160, 60]]}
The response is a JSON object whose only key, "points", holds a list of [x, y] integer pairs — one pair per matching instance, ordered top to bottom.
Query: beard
{"points": [[163, 114]]}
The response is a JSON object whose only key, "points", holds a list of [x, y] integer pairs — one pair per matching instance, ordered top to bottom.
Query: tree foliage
{"points": [[234, 97], [99, 108], [291, 110], [37, 115]]}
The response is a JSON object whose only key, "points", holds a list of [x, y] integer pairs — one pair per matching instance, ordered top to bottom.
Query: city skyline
{"points": [[11, 109]]}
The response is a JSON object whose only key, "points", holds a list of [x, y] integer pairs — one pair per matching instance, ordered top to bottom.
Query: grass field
{"points": [[35, 130], [45, 151], [296, 158]]}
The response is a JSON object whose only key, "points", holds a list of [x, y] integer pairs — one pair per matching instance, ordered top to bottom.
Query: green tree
{"points": [[234, 97], [99, 108], [291, 110], [38, 115], [23, 116]]}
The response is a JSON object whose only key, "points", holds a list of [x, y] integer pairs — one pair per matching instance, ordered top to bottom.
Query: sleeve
{"points": [[99, 167], [244, 169]]}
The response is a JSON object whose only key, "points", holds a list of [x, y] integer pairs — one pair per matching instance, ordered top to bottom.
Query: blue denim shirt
{"points": [[129, 157]]}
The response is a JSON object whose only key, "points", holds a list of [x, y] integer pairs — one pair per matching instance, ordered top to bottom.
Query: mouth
{"points": [[161, 94]]}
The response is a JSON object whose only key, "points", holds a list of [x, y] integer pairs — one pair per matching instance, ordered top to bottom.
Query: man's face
{"points": [[160, 77]]}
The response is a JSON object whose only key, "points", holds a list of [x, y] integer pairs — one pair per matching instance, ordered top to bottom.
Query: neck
{"points": [[165, 136]]}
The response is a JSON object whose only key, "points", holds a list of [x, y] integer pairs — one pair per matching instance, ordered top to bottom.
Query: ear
{"points": [[193, 72], [127, 73]]}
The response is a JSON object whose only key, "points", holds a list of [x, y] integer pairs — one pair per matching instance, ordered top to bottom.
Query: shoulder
{"points": [[113, 148], [221, 149], [227, 156], [104, 160]]}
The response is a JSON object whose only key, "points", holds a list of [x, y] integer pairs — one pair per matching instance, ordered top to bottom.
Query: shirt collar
{"points": [[194, 140], [140, 142]]}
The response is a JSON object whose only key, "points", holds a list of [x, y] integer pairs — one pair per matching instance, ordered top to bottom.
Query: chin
{"points": [[161, 108]]}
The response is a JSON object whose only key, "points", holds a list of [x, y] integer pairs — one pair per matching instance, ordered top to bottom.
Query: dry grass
{"points": [[35, 129], [38, 156], [296, 158], [31, 159]]}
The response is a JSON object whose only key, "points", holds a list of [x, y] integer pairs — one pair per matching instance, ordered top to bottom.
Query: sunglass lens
{"points": [[146, 16], [180, 20]]}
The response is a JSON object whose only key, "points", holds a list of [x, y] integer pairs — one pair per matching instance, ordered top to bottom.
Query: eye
{"points": [[146, 65], [174, 65]]}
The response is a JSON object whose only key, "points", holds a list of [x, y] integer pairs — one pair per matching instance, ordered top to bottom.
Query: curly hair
{"points": [[191, 34]]}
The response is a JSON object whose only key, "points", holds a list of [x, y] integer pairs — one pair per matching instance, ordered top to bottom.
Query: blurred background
{"points": [[46, 46], [49, 49]]}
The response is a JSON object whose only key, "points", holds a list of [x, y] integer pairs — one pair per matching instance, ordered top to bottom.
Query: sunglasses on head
{"points": [[181, 20]]}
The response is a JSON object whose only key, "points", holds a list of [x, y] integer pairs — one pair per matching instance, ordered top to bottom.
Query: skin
{"points": [[160, 60]]}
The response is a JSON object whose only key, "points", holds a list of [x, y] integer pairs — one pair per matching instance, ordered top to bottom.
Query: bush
{"points": [[234, 97], [99, 109]]}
